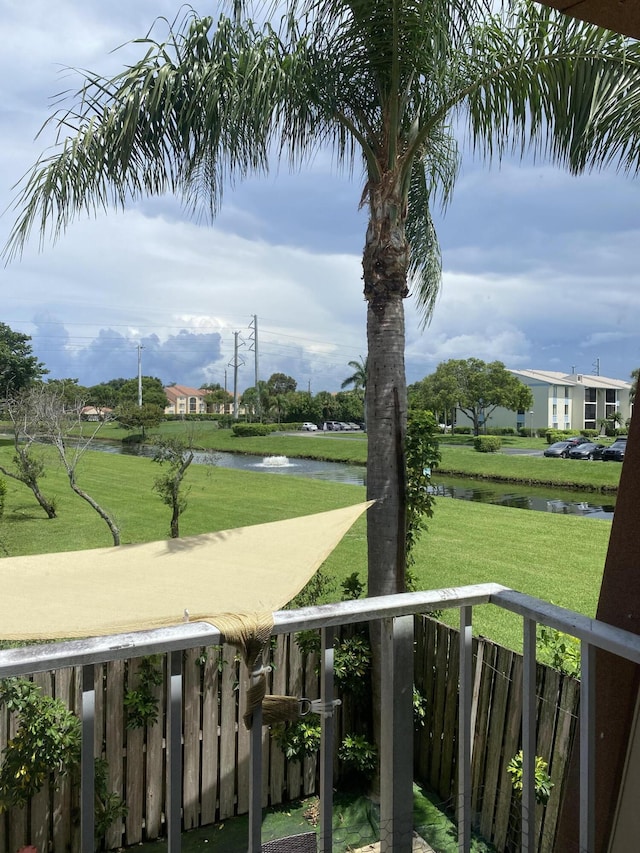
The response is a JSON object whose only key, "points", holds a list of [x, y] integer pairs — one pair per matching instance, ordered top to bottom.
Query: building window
{"points": [[589, 395], [610, 402], [192, 405], [554, 412]]}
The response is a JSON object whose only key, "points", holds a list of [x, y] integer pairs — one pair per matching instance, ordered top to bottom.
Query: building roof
{"points": [[612, 14], [552, 377], [175, 391]]}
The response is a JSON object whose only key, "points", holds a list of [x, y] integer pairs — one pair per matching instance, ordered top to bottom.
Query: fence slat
{"points": [[486, 660], [295, 684], [63, 686], [278, 687], [311, 691], [500, 693], [439, 696], [547, 718], [228, 733], [210, 735], [191, 739], [114, 745], [448, 758], [154, 762], [559, 764], [134, 767], [40, 804], [506, 804]]}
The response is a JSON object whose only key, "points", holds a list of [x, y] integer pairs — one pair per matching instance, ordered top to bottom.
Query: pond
{"points": [[538, 498]]}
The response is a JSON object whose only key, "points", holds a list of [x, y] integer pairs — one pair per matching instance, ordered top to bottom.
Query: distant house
{"points": [[182, 400], [565, 401], [95, 413]]}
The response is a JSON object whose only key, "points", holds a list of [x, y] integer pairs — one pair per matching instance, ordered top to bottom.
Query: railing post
{"points": [[174, 729], [465, 735], [396, 736], [529, 736], [327, 742], [587, 746], [87, 762], [255, 768]]}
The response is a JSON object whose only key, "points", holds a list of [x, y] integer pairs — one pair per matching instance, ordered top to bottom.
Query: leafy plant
{"points": [[487, 443], [421, 448], [352, 587], [317, 589], [308, 641], [559, 650], [352, 664], [142, 703], [419, 707], [300, 738], [47, 741], [358, 756], [542, 780], [109, 806]]}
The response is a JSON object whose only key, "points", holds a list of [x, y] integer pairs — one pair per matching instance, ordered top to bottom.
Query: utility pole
{"points": [[253, 326], [140, 348], [235, 363], [596, 366]]}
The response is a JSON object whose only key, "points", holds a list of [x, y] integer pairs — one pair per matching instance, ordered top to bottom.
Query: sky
{"points": [[540, 269]]}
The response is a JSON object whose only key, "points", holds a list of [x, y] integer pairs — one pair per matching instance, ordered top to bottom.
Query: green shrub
{"points": [[243, 430], [462, 430], [500, 431], [589, 433], [487, 443], [559, 650], [298, 739], [47, 740], [359, 758], [542, 780]]}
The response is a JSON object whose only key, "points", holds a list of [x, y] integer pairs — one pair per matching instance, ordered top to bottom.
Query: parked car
{"points": [[332, 425], [353, 426], [309, 427], [562, 448], [559, 449], [587, 450], [615, 453]]}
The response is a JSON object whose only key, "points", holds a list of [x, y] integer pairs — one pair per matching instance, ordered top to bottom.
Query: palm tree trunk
{"points": [[385, 263]]}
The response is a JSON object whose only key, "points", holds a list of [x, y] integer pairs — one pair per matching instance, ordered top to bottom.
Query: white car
{"points": [[309, 427]]}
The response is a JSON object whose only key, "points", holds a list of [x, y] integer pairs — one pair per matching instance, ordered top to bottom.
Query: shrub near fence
{"points": [[216, 744]]}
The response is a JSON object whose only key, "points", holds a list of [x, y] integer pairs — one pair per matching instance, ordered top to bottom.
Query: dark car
{"points": [[562, 448], [587, 450], [615, 453]]}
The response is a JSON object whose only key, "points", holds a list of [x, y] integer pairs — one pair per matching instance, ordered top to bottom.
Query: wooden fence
{"points": [[496, 721], [216, 747]]}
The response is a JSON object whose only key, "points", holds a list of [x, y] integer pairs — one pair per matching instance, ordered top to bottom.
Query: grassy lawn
{"points": [[556, 557], [355, 824]]}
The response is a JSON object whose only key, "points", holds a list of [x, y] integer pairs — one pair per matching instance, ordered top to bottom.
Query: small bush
{"points": [[247, 430], [462, 430], [501, 431], [589, 433], [487, 443], [542, 780]]}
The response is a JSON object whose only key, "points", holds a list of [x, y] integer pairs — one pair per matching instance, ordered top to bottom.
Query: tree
{"points": [[383, 82], [18, 366], [359, 376], [280, 383], [634, 385], [478, 388], [153, 392], [144, 417], [52, 421], [177, 455], [29, 466]]}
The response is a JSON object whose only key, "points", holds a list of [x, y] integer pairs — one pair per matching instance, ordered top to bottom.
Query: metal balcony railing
{"points": [[395, 615]]}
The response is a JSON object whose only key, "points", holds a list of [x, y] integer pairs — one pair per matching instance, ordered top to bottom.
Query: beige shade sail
{"points": [[248, 570]]}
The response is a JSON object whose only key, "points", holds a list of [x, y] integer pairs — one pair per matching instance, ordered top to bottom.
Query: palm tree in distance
{"points": [[381, 82], [359, 376], [359, 381]]}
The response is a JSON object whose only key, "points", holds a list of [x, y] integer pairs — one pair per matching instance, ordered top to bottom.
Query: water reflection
{"points": [[538, 498]]}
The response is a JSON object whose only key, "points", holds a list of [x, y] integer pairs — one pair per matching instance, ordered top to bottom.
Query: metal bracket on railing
{"points": [[317, 706]]}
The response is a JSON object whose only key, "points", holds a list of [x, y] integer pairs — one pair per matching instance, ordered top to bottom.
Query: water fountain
{"points": [[275, 462]]}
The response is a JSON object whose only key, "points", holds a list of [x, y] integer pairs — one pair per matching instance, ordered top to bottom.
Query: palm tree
{"points": [[384, 83], [359, 376]]}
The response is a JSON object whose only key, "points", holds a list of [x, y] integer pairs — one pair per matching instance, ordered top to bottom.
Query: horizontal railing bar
{"points": [[381, 607], [598, 634], [46, 656], [43, 657]]}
